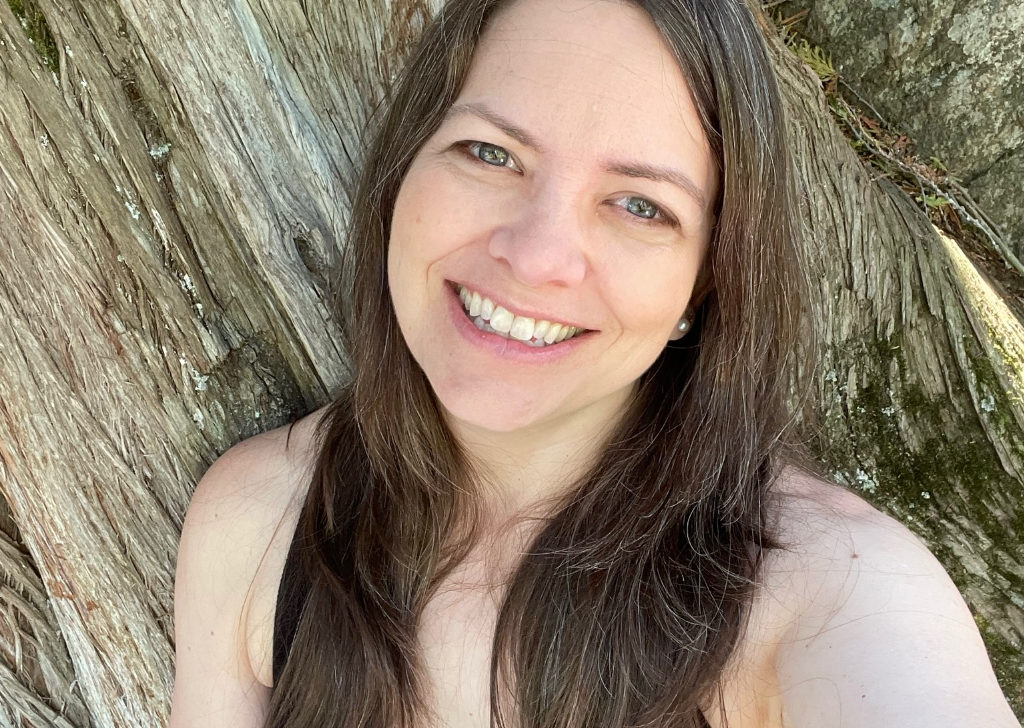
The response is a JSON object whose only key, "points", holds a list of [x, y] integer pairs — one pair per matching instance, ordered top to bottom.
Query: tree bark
{"points": [[174, 183]]}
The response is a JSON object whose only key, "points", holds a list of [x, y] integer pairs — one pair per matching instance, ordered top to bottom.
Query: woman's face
{"points": [[570, 183]]}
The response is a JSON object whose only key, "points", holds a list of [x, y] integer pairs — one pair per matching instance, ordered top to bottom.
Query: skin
{"points": [[552, 230]]}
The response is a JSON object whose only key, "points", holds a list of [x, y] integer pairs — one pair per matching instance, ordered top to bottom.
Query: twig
{"points": [[864, 101]]}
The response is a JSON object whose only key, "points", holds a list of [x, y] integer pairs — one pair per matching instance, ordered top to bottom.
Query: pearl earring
{"points": [[684, 323]]}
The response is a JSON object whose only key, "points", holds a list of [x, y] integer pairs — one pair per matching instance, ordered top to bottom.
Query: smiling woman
{"points": [[564, 488]]}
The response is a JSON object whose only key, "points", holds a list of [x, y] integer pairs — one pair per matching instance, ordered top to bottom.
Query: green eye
{"points": [[490, 153], [642, 208]]}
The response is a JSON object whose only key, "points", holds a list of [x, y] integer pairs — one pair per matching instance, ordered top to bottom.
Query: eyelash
{"points": [[471, 148], [665, 218]]}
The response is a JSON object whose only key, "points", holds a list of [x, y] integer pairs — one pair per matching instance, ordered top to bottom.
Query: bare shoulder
{"points": [[291, 454], [255, 484], [236, 519], [817, 525], [827, 532], [837, 548], [868, 627]]}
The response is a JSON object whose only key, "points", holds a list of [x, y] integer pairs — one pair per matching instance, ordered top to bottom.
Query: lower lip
{"points": [[508, 349]]}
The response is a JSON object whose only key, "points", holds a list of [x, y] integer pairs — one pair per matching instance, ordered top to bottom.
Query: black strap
{"points": [[291, 597]]}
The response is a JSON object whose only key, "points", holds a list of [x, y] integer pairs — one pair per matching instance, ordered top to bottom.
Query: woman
{"points": [[561, 489]]}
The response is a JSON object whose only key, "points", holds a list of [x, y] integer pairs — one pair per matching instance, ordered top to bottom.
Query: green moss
{"points": [[38, 31], [997, 405], [900, 474], [1008, 664]]}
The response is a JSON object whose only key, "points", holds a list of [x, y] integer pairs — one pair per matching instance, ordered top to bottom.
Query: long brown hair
{"points": [[634, 592]]}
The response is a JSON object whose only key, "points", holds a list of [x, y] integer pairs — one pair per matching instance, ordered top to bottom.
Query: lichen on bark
{"points": [[950, 75]]}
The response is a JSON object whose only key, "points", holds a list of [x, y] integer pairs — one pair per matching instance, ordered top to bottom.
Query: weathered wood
{"points": [[948, 74], [174, 184], [173, 191], [35, 672]]}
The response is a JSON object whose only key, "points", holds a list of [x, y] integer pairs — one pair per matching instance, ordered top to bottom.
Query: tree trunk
{"points": [[174, 185]]}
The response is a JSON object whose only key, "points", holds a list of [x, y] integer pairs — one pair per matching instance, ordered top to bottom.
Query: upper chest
{"points": [[456, 633], [456, 637], [455, 640], [455, 644]]}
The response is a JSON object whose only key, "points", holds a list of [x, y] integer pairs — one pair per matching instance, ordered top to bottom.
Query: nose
{"points": [[544, 244]]}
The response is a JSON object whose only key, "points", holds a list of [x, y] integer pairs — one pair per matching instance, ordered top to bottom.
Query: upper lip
{"points": [[518, 310]]}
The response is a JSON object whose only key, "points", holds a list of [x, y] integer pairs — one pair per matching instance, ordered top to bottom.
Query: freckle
{"points": [[854, 556], [211, 633], [863, 696]]}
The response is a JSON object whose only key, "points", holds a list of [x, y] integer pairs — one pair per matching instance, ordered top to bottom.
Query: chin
{"points": [[494, 411]]}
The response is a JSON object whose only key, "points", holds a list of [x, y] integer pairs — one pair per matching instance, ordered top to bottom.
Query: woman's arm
{"points": [[220, 550], [886, 639]]}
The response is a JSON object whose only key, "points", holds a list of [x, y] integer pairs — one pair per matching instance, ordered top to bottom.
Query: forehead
{"points": [[588, 75]]}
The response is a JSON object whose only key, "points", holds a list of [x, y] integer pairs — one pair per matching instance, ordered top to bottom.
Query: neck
{"points": [[524, 471]]}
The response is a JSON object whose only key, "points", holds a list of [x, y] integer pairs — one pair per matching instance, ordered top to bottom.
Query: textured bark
{"points": [[948, 73], [172, 181], [174, 185]]}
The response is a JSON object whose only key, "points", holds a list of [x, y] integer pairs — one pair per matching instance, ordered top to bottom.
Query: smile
{"points": [[498, 320]]}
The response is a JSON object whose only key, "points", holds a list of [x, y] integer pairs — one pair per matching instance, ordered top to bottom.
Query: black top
{"points": [[291, 597]]}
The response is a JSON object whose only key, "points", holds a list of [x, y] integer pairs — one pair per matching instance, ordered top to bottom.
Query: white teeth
{"points": [[496, 319], [501, 320], [522, 328]]}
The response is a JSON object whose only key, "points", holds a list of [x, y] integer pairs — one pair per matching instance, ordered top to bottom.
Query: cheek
{"points": [[434, 215], [407, 220], [410, 245], [404, 250], [650, 296]]}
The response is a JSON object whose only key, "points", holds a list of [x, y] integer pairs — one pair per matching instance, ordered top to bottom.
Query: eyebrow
{"points": [[520, 135], [624, 168], [660, 174]]}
